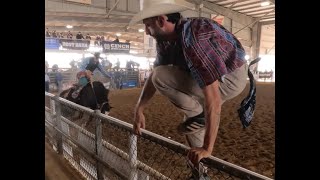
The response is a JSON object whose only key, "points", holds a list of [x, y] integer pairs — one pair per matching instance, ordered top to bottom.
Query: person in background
{"points": [[48, 34], [69, 35], [79, 35], [88, 37], [46, 66], [85, 76], [58, 77], [47, 81]]}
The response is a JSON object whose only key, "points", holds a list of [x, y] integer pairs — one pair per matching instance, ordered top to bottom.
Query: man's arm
{"points": [[84, 64], [103, 71], [146, 94], [212, 111]]}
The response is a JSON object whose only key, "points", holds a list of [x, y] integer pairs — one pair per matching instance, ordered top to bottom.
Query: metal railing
{"points": [[107, 148]]}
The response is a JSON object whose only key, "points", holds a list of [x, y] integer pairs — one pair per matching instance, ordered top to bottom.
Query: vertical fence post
{"points": [[52, 106], [53, 114], [57, 123], [98, 144], [133, 157]]}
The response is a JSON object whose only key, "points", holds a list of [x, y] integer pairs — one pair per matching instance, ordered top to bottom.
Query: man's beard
{"points": [[159, 37]]}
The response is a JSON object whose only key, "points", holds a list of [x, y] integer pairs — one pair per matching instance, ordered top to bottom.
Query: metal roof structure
{"points": [[108, 17]]}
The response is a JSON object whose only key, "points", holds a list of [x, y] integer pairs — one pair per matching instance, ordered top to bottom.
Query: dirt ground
{"points": [[252, 148], [57, 168]]}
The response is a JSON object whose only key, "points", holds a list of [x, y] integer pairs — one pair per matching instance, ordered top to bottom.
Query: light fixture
{"points": [[265, 3], [69, 26], [141, 30], [118, 34], [133, 52], [246, 57]]}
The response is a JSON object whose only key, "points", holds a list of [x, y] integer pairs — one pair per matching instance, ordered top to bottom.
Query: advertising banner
{"points": [[52, 43], [75, 44], [115, 47]]}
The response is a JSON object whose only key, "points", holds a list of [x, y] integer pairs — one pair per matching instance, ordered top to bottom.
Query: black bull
{"points": [[97, 99]]}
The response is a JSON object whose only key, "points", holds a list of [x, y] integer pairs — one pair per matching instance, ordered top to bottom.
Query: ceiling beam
{"points": [[228, 3], [247, 4], [65, 6], [114, 6], [258, 7], [255, 10], [259, 13], [238, 17], [268, 17], [85, 19], [267, 22], [93, 29], [245, 42]]}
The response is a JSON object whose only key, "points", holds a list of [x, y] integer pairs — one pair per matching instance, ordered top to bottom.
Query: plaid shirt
{"points": [[205, 48]]}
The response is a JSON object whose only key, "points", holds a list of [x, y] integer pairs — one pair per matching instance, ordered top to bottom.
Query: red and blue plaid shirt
{"points": [[205, 48]]}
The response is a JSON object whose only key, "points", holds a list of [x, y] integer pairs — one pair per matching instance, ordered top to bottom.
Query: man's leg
{"points": [[47, 86], [59, 87], [181, 89], [188, 96]]}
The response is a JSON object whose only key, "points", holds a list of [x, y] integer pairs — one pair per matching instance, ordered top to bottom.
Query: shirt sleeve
{"points": [[210, 51], [84, 64]]}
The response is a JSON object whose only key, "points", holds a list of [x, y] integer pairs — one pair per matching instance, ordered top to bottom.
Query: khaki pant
{"points": [[184, 92]]}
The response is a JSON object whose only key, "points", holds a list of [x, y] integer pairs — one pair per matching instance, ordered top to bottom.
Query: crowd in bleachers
{"points": [[61, 35]]}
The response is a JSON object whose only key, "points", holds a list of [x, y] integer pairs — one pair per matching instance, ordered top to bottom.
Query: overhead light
{"points": [[265, 3], [69, 26], [141, 30], [118, 34], [135, 44], [133, 52], [246, 57]]}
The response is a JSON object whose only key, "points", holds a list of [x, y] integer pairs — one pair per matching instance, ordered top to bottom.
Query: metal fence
{"points": [[107, 148]]}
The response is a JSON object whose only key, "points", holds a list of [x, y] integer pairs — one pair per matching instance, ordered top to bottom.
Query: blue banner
{"points": [[52, 43], [75, 44], [115, 47]]}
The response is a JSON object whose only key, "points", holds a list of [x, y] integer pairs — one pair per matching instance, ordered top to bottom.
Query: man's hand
{"points": [[139, 122], [196, 154]]}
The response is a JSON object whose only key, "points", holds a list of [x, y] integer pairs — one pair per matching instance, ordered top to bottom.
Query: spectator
{"points": [[48, 34], [54, 34], [61, 35], [69, 35], [79, 36], [88, 36], [116, 40], [97, 41], [46, 66], [147, 74], [58, 77], [47, 81]]}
